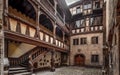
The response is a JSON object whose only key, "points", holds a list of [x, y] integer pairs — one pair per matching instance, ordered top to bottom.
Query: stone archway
{"points": [[79, 60]]}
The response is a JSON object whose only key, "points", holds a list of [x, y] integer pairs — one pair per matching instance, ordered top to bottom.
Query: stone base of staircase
{"points": [[19, 71]]}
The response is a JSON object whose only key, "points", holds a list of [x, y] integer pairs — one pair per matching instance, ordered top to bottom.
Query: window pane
{"points": [[85, 6], [89, 6], [78, 10], [91, 21], [82, 22], [78, 23], [94, 40], [75, 41], [83, 41], [95, 58]]}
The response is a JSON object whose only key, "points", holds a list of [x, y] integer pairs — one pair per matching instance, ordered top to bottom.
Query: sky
{"points": [[70, 1]]}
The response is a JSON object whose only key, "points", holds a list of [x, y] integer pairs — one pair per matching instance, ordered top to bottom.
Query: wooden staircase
{"points": [[21, 65]]}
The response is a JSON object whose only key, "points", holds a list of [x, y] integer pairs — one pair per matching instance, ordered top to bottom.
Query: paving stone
{"points": [[73, 71]]}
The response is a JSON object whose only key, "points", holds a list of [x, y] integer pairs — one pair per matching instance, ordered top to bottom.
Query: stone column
{"points": [[1, 38]]}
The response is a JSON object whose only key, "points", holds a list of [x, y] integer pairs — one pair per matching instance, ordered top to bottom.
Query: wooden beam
{"points": [[26, 39]]}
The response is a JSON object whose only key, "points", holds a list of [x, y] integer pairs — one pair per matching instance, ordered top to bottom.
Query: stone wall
{"points": [[87, 49], [45, 60]]}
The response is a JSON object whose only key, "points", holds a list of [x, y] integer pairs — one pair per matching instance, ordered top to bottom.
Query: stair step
{"points": [[17, 68], [18, 71], [26, 73]]}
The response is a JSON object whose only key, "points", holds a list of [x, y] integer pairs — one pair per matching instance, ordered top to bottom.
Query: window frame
{"points": [[78, 10], [95, 40], [76, 41], [83, 41], [95, 58]]}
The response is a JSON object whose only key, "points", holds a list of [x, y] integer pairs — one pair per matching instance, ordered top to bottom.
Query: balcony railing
{"points": [[14, 12], [20, 15]]}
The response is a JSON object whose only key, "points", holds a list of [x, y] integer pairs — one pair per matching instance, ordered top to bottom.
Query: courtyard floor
{"points": [[72, 71]]}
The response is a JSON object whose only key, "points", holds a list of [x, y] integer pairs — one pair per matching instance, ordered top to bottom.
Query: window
{"points": [[97, 4], [87, 6], [78, 10], [97, 20], [87, 21], [91, 21], [82, 22], [78, 23], [94, 40], [75, 41], [83, 41], [94, 58]]}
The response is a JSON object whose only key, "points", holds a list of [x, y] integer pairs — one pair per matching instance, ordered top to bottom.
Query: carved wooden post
{"points": [[37, 22], [54, 33], [63, 38], [52, 61], [30, 63]]}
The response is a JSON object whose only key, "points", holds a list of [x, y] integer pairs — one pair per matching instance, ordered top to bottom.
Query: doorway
{"points": [[79, 60]]}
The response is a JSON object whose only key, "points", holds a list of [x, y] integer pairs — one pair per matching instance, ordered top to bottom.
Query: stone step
{"points": [[17, 68], [19, 71], [26, 73]]}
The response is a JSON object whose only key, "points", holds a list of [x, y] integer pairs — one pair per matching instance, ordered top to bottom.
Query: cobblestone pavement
{"points": [[72, 71]]}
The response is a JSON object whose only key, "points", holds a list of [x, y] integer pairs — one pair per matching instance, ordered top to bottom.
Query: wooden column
{"points": [[64, 19], [37, 22], [54, 33], [63, 39], [52, 61]]}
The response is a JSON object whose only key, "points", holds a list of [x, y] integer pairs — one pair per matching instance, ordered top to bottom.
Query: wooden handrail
{"points": [[38, 57]]}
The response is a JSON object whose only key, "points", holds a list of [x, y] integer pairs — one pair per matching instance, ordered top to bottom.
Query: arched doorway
{"points": [[79, 60]]}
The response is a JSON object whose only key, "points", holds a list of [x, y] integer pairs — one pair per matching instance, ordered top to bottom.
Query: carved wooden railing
{"points": [[48, 6], [22, 16], [59, 20], [42, 28], [59, 38], [35, 56], [38, 56]]}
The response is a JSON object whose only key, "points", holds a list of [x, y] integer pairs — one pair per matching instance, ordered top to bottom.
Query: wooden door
{"points": [[79, 60]]}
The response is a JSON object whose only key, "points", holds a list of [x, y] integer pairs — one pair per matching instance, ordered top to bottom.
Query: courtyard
{"points": [[73, 71]]}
